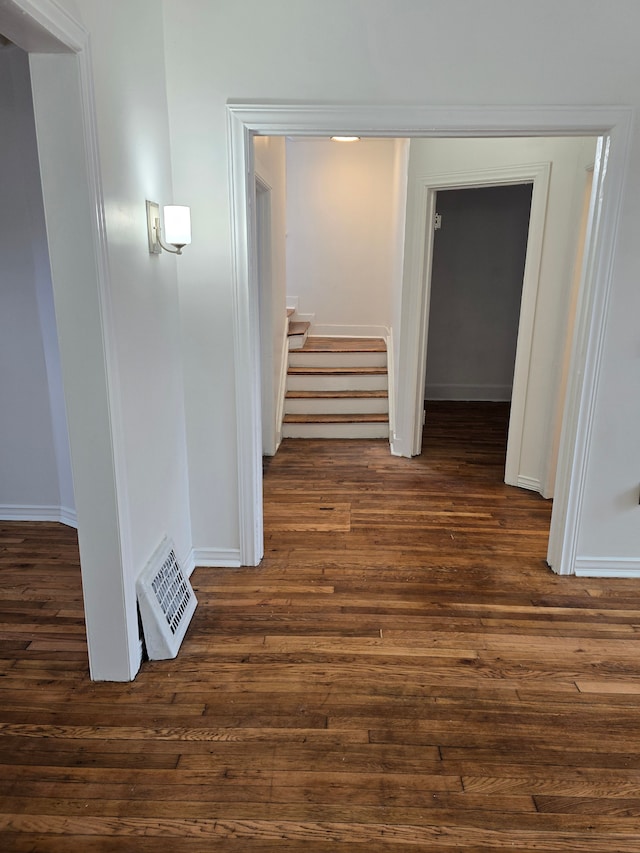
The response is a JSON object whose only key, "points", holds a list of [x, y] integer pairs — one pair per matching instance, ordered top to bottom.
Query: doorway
{"points": [[62, 80], [612, 126], [480, 247], [476, 283], [35, 468]]}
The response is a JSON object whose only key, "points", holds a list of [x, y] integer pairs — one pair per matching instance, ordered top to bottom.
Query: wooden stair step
{"points": [[291, 312], [298, 327], [318, 343], [337, 371], [336, 395], [372, 417]]}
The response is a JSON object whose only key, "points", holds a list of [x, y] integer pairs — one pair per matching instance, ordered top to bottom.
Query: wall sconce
{"points": [[177, 227]]}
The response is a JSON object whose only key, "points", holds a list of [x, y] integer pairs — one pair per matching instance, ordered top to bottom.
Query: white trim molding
{"points": [[42, 26], [611, 124], [609, 179], [416, 298], [246, 327], [530, 483], [18, 512], [215, 558], [188, 563], [608, 567]]}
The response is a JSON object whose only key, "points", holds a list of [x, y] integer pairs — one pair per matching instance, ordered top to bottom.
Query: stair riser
{"points": [[296, 342], [338, 359], [356, 382], [330, 406], [374, 430]]}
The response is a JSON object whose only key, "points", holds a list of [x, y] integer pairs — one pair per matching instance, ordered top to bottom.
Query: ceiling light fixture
{"points": [[345, 138]]}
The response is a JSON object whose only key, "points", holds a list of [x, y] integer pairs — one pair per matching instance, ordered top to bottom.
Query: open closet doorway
{"points": [[479, 256]]}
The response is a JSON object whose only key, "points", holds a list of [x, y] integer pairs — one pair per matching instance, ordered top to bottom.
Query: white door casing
{"points": [[60, 57], [263, 266], [416, 296]]}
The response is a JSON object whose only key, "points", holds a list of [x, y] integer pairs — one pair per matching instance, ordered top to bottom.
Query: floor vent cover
{"points": [[167, 603]]}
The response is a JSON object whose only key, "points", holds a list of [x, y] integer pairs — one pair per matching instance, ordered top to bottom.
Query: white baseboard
{"points": [[335, 331], [468, 393], [398, 447], [530, 483], [60, 514], [68, 516], [216, 558], [188, 563], [608, 567]]}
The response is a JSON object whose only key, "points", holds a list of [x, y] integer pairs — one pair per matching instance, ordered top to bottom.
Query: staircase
{"points": [[337, 388]]}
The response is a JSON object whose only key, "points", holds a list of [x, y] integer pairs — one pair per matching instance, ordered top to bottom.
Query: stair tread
{"points": [[290, 311], [297, 327], [319, 343], [337, 371], [336, 395], [372, 417]]}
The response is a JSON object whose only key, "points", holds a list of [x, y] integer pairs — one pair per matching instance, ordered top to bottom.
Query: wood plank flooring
{"points": [[402, 672]]}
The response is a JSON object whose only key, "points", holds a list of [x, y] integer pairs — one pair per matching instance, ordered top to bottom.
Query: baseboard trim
{"points": [[334, 331], [468, 393], [529, 483], [17, 512], [68, 516], [214, 558], [188, 564], [608, 567]]}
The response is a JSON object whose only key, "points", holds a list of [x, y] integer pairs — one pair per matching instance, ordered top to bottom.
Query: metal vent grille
{"points": [[167, 603]]}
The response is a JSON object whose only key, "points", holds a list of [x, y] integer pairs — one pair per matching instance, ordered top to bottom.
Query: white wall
{"points": [[285, 50], [567, 157], [135, 161], [271, 168], [341, 248], [476, 286], [125, 394], [35, 468]]}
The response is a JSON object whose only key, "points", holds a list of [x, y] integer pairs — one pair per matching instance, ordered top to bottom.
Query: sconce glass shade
{"points": [[177, 225]]}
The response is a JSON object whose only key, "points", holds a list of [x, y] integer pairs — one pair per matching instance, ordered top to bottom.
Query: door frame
{"points": [[611, 124], [416, 293], [265, 307], [88, 354]]}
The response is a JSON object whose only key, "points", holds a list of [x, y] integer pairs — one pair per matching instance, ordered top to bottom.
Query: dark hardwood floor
{"points": [[402, 672]]}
